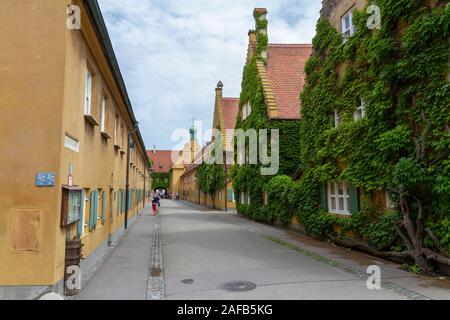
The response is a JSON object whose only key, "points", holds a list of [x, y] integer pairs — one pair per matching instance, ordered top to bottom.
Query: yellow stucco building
{"points": [[66, 120]]}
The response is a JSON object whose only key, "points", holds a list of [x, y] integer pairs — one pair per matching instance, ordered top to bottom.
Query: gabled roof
{"points": [[286, 74], [282, 76], [230, 110], [163, 160]]}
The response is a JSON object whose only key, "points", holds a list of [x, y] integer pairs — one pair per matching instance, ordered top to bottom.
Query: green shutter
{"points": [[229, 195], [323, 197], [354, 199], [123, 201], [118, 202], [103, 207], [92, 210], [95, 215], [80, 222]]}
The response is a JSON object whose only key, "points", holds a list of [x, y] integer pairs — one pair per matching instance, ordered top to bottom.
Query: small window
{"points": [[347, 26], [88, 93], [246, 110], [361, 110], [103, 116], [336, 119], [116, 130], [121, 135], [338, 197], [266, 198], [390, 203]]}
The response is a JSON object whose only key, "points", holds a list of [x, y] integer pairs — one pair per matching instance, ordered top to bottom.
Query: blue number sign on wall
{"points": [[45, 179]]}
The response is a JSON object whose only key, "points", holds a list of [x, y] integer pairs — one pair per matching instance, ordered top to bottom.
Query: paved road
{"points": [[209, 249], [204, 250]]}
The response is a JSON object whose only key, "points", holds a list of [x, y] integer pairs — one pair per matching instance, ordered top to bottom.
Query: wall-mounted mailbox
{"points": [[71, 205]]}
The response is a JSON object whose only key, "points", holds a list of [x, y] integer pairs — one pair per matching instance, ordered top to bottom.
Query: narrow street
{"points": [[216, 255]]}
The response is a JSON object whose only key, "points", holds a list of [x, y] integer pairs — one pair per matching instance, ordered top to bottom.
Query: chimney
{"points": [[260, 15], [219, 89]]}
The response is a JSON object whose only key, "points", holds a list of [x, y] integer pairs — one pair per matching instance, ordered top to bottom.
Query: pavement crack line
{"points": [[155, 283]]}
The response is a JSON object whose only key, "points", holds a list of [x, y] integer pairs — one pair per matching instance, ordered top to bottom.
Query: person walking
{"points": [[155, 204]]}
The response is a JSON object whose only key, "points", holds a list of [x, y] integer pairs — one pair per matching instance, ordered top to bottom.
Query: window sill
{"points": [[90, 118], [105, 135], [117, 147], [122, 152], [340, 214]]}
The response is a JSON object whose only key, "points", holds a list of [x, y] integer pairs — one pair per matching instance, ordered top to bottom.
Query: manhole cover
{"points": [[188, 281], [238, 286]]}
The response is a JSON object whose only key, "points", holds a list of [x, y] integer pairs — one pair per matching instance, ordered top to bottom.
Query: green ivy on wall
{"points": [[401, 145], [248, 178], [211, 179], [160, 180]]}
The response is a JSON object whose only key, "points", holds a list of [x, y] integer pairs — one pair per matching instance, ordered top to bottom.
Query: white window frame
{"points": [[348, 31], [88, 93], [246, 110], [360, 112], [103, 115], [336, 118], [116, 131], [333, 194], [389, 203]]}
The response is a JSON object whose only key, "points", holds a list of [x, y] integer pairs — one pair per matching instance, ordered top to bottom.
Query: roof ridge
{"points": [[291, 44]]}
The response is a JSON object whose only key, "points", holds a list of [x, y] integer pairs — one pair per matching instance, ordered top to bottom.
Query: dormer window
{"points": [[347, 26], [361, 110]]}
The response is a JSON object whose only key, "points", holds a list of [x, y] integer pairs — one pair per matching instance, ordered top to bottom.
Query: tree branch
{"points": [[436, 242]]}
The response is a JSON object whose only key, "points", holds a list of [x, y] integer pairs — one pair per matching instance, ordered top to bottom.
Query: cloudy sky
{"points": [[172, 53]]}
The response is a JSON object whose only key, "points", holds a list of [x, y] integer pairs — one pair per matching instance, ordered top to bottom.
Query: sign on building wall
{"points": [[45, 179]]}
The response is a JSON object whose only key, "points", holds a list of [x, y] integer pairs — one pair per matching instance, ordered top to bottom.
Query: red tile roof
{"points": [[286, 72], [230, 111], [163, 160]]}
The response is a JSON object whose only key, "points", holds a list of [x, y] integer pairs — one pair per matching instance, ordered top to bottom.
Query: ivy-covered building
{"points": [[272, 81], [375, 138], [161, 162], [211, 185]]}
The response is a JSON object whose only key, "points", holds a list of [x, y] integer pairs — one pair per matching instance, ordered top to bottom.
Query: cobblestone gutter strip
{"points": [[358, 273], [155, 284]]}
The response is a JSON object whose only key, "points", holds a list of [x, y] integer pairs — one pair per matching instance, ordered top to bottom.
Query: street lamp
{"points": [[130, 144]]}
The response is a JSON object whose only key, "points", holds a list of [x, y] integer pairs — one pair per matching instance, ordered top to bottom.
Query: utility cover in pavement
{"points": [[238, 286]]}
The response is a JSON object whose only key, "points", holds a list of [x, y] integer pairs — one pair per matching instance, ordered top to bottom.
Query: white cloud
{"points": [[173, 53]]}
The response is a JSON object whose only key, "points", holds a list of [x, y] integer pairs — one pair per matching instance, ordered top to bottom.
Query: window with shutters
{"points": [[338, 197]]}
